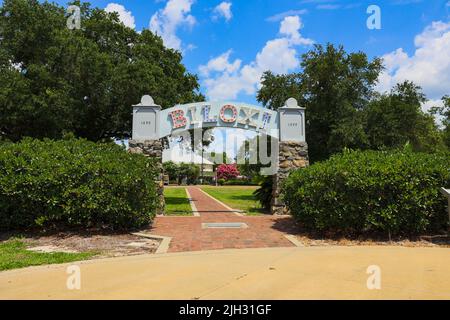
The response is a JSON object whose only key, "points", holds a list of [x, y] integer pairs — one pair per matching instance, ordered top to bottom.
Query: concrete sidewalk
{"points": [[266, 273]]}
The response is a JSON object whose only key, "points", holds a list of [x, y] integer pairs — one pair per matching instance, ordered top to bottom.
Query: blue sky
{"points": [[240, 39], [230, 43]]}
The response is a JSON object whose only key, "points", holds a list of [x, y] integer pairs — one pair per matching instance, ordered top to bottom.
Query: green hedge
{"points": [[74, 183], [358, 192]]}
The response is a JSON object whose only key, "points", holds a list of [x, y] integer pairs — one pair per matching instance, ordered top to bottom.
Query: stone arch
{"points": [[286, 125]]}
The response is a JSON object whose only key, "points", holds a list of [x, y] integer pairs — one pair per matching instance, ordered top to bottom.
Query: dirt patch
{"points": [[420, 242], [104, 244]]}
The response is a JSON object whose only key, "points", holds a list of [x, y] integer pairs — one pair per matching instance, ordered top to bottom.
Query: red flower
{"points": [[227, 171]]}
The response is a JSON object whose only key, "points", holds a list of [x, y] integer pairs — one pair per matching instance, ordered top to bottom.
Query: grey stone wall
{"points": [[152, 149], [292, 155]]}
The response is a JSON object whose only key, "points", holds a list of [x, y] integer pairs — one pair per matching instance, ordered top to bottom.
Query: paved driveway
{"points": [[268, 273]]}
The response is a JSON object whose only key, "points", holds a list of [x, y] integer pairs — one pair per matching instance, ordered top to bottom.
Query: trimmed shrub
{"points": [[74, 183], [358, 192]]}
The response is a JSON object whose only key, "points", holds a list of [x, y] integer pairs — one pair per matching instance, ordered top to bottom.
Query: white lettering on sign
{"points": [[193, 112], [248, 117]]}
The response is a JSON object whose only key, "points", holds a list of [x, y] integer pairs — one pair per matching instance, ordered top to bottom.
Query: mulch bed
{"points": [[308, 239]]}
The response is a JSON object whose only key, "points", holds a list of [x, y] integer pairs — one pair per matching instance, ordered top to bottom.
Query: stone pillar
{"points": [[145, 140], [293, 149], [154, 150], [292, 155]]}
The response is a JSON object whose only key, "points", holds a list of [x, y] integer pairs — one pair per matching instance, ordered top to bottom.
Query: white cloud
{"points": [[316, 1], [405, 2], [328, 6], [223, 10], [280, 16], [126, 17], [166, 21], [290, 26], [279, 55], [220, 64], [428, 67], [432, 103], [426, 107]]}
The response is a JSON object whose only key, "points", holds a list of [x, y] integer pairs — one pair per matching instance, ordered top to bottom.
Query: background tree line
{"points": [[54, 80], [344, 111]]}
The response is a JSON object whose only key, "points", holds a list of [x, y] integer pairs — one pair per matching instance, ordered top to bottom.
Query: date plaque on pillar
{"points": [[146, 119], [292, 122]]}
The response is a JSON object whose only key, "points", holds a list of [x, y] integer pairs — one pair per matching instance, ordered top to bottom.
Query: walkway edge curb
{"points": [[193, 206], [236, 212], [293, 239], [163, 245]]}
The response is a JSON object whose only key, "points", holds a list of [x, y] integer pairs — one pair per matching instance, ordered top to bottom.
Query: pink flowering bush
{"points": [[227, 171]]}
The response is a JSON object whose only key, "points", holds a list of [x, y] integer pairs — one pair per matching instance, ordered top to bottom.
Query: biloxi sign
{"points": [[150, 122], [286, 128]]}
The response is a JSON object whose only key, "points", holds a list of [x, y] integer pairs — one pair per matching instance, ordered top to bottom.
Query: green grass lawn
{"points": [[236, 197], [177, 202], [13, 254]]}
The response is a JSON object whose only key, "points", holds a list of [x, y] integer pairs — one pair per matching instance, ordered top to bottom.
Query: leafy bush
{"points": [[171, 169], [227, 171], [189, 172], [74, 183], [264, 192], [356, 192]]}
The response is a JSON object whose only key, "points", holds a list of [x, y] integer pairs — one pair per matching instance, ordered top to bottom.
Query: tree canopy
{"points": [[54, 80], [343, 109], [394, 119]]}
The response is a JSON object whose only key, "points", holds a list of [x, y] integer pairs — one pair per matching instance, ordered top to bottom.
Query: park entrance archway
{"points": [[286, 127]]}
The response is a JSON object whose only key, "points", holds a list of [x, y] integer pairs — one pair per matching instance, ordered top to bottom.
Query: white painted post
{"points": [[146, 119], [292, 121]]}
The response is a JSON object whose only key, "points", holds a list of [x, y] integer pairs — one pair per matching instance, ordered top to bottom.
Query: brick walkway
{"points": [[187, 233]]}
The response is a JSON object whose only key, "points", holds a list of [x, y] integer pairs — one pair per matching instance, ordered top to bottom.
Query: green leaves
{"points": [[81, 81], [333, 86], [343, 111], [396, 119], [74, 183], [357, 192]]}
